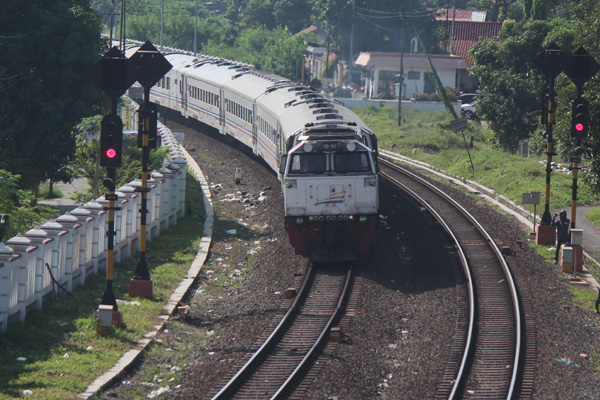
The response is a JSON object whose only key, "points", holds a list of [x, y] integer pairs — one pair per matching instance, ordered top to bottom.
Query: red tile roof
{"points": [[442, 14], [466, 34]]}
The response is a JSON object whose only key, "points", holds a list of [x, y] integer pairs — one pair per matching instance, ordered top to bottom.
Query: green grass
{"points": [[427, 137], [45, 192], [593, 215], [584, 297], [63, 352]]}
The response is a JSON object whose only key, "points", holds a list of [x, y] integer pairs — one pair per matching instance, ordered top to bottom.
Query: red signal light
{"points": [[579, 127], [111, 153]]}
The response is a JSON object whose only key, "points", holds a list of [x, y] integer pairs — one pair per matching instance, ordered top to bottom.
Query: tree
{"points": [[588, 25], [48, 48], [510, 82], [86, 163], [17, 204]]}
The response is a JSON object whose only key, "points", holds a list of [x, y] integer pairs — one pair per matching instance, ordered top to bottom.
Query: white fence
{"points": [[74, 245]]}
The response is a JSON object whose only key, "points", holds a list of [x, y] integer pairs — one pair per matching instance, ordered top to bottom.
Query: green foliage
{"points": [[48, 48], [276, 51], [511, 83], [452, 94], [418, 96], [435, 97], [427, 137], [86, 163], [18, 204], [62, 351]]}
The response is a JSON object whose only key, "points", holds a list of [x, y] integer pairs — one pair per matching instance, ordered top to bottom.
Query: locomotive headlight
{"points": [[325, 146], [351, 146], [307, 147], [363, 219], [299, 220]]}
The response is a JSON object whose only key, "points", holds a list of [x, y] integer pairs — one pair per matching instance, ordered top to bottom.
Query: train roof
{"points": [[252, 84]]}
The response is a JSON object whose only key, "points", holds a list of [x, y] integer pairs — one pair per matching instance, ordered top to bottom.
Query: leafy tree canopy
{"points": [[48, 48], [511, 84]]}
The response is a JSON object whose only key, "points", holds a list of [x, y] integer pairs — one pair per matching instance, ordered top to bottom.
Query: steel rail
{"points": [[498, 254], [320, 340], [229, 387]]}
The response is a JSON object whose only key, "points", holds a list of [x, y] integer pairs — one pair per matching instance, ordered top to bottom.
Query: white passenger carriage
{"points": [[324, 155]]}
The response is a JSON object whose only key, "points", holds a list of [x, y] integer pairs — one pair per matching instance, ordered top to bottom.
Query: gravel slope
{"points": [[395, 345]]}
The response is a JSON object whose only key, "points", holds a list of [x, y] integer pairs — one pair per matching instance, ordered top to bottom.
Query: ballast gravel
{"points": [[396, 343]]}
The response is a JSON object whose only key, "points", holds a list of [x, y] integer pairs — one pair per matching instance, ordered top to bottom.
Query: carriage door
{"points": [[183, 93], [222, 111], [254, 129]]}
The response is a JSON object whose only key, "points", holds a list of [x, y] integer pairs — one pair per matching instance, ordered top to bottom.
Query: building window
{"points": [[414, 75]]}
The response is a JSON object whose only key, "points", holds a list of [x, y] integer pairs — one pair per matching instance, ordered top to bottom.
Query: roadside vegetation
{"points": [[427, 137], [56, 352]]}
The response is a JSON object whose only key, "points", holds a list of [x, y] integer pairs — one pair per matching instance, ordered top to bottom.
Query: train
{"points": [[324, 155]]}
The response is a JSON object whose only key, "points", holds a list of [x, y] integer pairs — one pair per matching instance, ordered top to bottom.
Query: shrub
{"points": [[343, 93], [452, 93], [384, 96], [421, 96], [435, 97]]}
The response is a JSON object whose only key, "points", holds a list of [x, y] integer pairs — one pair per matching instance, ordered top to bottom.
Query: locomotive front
{"points": [[331, 194]]}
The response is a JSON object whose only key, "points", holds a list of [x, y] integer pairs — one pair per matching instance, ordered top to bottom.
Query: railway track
{"points": [[488, 353], [276, 368]]}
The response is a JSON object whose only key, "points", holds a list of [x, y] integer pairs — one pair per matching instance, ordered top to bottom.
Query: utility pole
{"points": [[162, 13], [123, 23], [195, 27], [351, 61], [401, 79]]}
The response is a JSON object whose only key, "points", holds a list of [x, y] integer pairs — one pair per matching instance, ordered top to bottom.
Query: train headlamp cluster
{"points": [[328, 146], [331, 218]]}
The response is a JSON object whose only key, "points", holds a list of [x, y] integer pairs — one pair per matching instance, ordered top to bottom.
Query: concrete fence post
{"points": [[6, 254], [42, 282]]}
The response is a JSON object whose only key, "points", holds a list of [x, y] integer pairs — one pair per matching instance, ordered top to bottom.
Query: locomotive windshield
{"points": [[351, 162], [310, 163], [340, 163]]}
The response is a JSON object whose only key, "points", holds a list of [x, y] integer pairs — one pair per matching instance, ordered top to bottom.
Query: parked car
{"points": [[467, 98], [468, 110]]}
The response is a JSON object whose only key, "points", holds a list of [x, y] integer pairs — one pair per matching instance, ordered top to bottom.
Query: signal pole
{"points": [[549, 61], [150, 66], [580, 67], [111, 74]]}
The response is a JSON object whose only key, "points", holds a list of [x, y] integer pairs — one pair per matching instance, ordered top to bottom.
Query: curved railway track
{"points": [[487, 360], [276, 368]]}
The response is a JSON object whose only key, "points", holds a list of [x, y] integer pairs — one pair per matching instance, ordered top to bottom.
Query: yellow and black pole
{"points": [[550, 62], [148, 66], [548, 109], [580, 127], [111, 144], [109, 182], [142, 285]]}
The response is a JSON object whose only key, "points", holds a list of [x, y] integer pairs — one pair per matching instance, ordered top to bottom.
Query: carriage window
{"points": [[351, 162], [308, 163]]}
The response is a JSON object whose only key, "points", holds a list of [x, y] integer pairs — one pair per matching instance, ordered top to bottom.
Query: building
{"points": [[464, 28], [381, 73]]}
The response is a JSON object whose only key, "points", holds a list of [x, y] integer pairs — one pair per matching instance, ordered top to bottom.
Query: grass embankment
{"points": [[427, 137], [61, 350]]}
